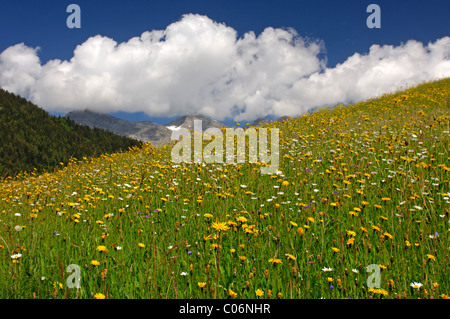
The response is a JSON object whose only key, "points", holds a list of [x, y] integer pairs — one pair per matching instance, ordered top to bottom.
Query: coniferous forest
{"points": [[33, 140]]}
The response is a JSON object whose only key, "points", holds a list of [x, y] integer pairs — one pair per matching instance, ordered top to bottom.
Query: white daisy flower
{"points": [[416, 285]]}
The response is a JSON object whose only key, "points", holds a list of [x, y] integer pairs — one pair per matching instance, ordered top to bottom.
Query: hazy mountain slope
{"points": [[144, 131]]}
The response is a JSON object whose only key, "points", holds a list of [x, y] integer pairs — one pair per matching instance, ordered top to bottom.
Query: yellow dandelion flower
{"points": [[242, 219], [231, 223], [293, 224], [220, 226], [376, 228], [351, 233], [101, 248], [290, 257], [95, 263], [201, 284], [259, 293]]}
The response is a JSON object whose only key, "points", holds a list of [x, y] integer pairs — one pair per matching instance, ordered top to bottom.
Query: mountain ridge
{"points": [[144, 131], [147, 131]]}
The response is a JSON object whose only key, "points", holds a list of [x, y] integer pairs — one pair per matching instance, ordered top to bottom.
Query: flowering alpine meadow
{"points": [[357, 185]]}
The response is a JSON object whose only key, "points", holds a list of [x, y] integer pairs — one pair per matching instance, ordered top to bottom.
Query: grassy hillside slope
{"points": [[365, 185]]}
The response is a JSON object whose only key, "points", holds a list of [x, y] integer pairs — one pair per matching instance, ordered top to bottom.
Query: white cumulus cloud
{"points": [[197, 65]]}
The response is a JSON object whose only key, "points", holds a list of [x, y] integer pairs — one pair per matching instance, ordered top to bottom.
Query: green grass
{"points": [[379, 168]]}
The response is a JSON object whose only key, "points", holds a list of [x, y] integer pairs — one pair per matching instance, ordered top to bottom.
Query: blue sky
{"points": [[340, 26]]}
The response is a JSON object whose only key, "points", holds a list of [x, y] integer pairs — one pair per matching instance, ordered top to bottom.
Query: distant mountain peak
{"points": [[187, 121]]}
